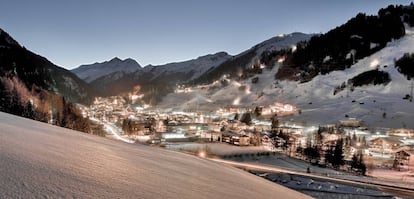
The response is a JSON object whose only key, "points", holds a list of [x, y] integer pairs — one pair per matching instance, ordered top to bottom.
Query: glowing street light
{"points": [[202, 154]]}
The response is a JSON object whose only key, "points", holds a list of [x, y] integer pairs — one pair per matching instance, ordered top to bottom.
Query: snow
{"points": [[282, 42], [373, 45], [94, 71], [315, 98], [115, 132], [38, 160], [376, 176], [303, 183], [340, 185]]}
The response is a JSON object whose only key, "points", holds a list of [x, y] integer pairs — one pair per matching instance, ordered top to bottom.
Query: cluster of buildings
{"points": [[161, 127], [391, 147]]}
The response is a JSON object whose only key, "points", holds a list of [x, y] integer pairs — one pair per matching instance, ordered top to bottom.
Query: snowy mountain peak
{"points": [[284, 41], [214, 56], [91, 72]]}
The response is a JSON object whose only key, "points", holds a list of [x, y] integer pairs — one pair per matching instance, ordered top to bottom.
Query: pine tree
{"points": [[28, 111], [236, 116], [246, 118], [275, 122], [319, 137], [354, 139], [364, 141], [312, 153], [329, 155], [338, 157], [354, 162]]}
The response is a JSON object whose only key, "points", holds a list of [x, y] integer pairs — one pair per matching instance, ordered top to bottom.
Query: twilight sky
{"points": [[75, 32]]}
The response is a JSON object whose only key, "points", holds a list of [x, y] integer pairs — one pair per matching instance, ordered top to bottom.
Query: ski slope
{"points": [[315, 98], [38, 160]]}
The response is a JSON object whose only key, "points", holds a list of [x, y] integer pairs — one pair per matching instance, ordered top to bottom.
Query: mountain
{"points": [[6, 40], [340, 47], [250, 60], [117, 66], [190, 69], [36, 71], [350, 71], [157, 80], [32, 86], [370, 86], [39, 160]]}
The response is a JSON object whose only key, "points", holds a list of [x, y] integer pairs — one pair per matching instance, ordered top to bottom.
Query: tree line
{"points": [[41, 105]]}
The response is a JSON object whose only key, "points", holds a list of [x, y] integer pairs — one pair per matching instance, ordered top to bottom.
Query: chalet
{"points": [[351, 122], [138, 127], [212, 136], [227, 136], [255, 136], [235, 138], [241, 140], [384, 145], [404, 159]]}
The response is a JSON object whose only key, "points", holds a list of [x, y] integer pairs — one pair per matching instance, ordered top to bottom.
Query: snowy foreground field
{"points": [[38, 160]]}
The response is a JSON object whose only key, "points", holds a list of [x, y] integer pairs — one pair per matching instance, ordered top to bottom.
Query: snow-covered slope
{"points": [[284, 41], [239, 63], [194, 67], [94, 71], [315, 98], [38, 160]]}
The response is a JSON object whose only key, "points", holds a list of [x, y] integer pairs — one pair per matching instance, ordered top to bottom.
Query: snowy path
{"points": [[113, 130]]}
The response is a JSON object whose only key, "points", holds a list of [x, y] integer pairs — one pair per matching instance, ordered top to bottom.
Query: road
{"points": [[113, 130], [399, 191]]}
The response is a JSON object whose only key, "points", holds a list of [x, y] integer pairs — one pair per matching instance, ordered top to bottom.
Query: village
{"points": [[347, 145]]}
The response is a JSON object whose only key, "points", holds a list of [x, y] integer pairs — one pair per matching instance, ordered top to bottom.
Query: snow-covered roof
{"points": [[40, 160]]}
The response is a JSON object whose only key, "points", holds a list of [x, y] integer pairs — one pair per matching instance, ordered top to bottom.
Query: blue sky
{"points": [[71, 33]]}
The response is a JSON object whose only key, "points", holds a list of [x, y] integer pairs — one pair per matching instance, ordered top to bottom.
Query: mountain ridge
{"points": [[199, 70], [91, 72], [319, 100]]}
